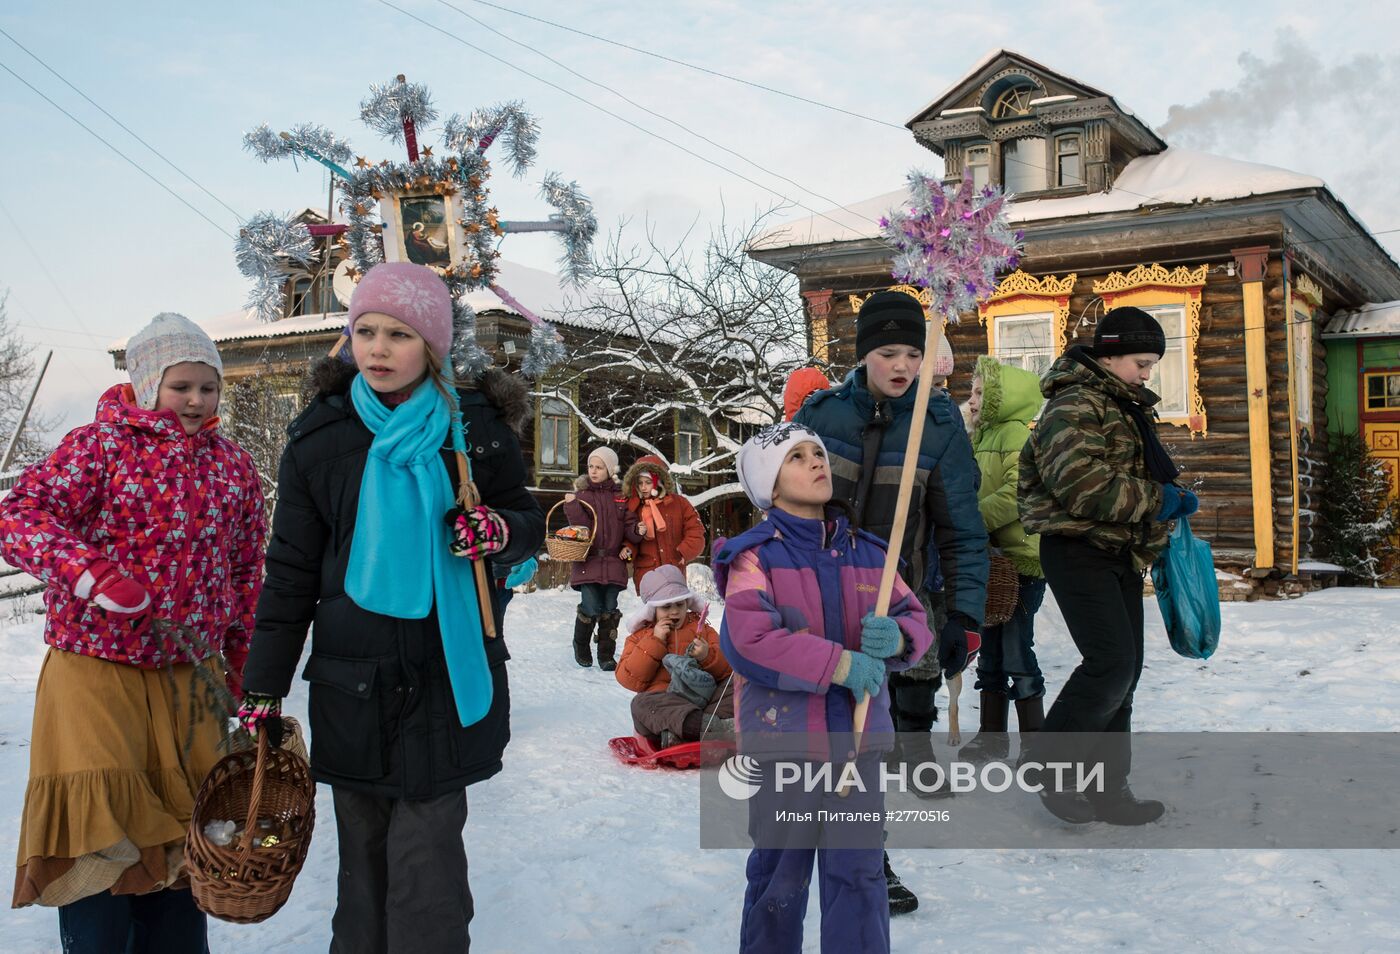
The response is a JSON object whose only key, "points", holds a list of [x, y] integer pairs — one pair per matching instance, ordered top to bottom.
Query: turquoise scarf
{"points": [[400, 532]]}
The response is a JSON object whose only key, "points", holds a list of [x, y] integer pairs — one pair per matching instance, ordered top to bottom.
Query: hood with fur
{"points": [[506, 392], [649, 464]]}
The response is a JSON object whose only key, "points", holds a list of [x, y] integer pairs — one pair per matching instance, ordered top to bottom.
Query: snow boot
{"points": [[583, 637], [607, 640], [913, 713], [1030, 715], [991, 743], [1117, 805], [902, 900]]}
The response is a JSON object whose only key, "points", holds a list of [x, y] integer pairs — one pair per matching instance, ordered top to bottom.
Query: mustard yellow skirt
{"points": [[116, 757]]}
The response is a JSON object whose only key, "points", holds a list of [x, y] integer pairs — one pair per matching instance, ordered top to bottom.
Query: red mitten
{"points": [[104, 584]]}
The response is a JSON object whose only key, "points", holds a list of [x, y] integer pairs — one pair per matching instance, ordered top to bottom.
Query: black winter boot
{"points": [[583, 638], [607, 640], [913, 713], [1030, 715], [991, 743], [1117, 805], [902, 900]]}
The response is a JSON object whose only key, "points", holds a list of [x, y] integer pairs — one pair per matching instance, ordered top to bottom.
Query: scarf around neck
{"points": [[400, 532]]}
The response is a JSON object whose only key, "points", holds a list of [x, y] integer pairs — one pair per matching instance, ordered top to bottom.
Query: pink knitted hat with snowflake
{"points": [[413, 294]]}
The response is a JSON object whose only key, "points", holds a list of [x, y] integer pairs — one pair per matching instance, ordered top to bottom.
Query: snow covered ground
{"points": [[571, 852]]}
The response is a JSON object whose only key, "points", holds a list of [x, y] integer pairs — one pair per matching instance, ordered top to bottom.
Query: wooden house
{"points": [[1240, 262]]}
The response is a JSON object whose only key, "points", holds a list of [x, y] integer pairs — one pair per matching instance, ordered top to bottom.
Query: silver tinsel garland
{"points": [[387, 106], [303, 138], [577, 213], [271, 242], [264, 246]]}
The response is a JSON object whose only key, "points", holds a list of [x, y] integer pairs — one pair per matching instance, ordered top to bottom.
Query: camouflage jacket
{"points": [[1083, 473]]}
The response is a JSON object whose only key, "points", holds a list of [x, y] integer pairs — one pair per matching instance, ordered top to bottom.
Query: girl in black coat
{"points": [[387, 732]]}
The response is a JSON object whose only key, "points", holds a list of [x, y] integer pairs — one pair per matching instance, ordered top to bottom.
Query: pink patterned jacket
{"points": [[181, 515]]}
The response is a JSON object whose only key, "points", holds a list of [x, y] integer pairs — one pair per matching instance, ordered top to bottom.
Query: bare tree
{"points": [[708, 334], [17, 371], [256, 411]]}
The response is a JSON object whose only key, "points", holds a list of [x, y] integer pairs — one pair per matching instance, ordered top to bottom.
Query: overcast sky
{"points": [[90, 249]]}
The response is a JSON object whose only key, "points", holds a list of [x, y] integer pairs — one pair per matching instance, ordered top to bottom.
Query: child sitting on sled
{"points": [[673, 663]]}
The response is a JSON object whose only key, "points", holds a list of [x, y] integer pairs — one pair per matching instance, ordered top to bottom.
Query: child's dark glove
{"points": [[477, 532], [957, 644]]}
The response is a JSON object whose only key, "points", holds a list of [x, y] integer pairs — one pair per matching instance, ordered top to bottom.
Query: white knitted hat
{"points": [[169, 339], [762, 457], [609, 458]]}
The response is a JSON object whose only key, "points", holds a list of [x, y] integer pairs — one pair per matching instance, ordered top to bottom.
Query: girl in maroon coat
{"points": [[603, 575]]}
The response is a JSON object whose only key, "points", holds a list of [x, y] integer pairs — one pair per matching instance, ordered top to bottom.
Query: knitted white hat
{"points": [[169, 339], [943, 360], [762, 457], [609, 458]]}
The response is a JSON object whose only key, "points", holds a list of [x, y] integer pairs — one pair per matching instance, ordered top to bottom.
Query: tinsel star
{"points": [[427, 152], [361, 162], [953, 240]]}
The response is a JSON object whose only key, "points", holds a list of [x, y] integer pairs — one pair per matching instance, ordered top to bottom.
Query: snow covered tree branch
{"points": [[693, 340]]}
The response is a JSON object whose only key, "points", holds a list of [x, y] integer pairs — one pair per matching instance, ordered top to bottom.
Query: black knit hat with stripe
{"points": [[889, 318], [1128, 331]]}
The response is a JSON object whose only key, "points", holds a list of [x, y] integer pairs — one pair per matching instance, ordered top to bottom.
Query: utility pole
{"points": [[24, 416]]}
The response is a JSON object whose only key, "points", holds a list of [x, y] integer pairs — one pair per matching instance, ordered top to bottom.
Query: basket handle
{"points": [[250, 825]]}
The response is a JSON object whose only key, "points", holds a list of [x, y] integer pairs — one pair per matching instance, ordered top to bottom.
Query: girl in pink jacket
{"points": [[146, 514]]}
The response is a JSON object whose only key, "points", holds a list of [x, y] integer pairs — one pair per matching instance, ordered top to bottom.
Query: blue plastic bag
{"points": [[1187, 594]]}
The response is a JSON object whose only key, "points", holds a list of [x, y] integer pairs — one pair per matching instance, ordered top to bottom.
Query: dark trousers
{"points": [[1100, 596], [595, 599], [1008, 649], [654, 711], [403, 875], [162, 922]]}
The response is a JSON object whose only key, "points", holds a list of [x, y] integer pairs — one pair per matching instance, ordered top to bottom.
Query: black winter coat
{"points": [[381, 707]]}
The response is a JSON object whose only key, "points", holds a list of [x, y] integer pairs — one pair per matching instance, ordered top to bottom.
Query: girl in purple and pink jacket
{"points": [[800, 590]]}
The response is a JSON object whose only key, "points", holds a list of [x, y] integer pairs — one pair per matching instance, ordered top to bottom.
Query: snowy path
{"points": [[573, 853]]}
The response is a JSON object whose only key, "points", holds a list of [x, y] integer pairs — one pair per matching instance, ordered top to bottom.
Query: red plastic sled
{"points": [[636, 750]]}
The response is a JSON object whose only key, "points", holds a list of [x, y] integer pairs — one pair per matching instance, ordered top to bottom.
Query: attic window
{"points": [[1015, 100], [979, 163], [1067, 163], [1023, 165]]}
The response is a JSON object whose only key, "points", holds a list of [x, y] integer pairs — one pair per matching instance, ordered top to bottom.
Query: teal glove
{"points": [[880, 636], [864, 677]]}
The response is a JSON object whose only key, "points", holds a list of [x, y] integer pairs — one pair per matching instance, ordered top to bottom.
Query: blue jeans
{"points": [[595, 599], [1008, 650], [162, 922]]}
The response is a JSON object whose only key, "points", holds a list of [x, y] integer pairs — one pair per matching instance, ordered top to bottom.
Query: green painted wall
{"points": [[1382, 353], [1342, 415]]}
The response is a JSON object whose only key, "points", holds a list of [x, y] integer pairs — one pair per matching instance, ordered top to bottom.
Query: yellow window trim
{"points": [[1150, 285], [1021, 293], [572, 393]]}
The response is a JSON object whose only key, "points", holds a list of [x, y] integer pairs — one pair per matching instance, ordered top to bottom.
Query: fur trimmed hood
{"points": [[506, 392], [650, 464]]}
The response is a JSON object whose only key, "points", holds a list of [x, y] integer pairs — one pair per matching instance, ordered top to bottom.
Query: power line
{"points": [[692, 66], [603, 109], [651, 112], [156, 152], [131, 162], [38, 260]]}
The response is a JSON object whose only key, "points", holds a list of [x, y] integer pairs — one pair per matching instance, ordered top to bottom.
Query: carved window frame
{"points": [[1153, 285], [1021, 293], [1305, 302]]}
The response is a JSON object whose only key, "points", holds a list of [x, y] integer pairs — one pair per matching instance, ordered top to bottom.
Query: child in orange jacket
{"points": [[672, 661]]}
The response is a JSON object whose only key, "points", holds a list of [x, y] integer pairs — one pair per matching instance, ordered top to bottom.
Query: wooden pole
{"points": [[932, 337], [24, 415], [470, 498]]}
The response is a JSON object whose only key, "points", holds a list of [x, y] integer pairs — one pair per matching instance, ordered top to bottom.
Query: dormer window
{"points": [[1015, 100], [979, 163], [1023, 165], [1068, 167]]}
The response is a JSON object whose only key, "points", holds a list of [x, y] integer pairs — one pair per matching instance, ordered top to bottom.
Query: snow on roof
{"points": [[1174, 177], [540, 291], [1368, 321]]}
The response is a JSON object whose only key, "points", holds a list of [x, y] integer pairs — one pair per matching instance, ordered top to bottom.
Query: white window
{"points": [[979, 162], [1023, 165], [1067, 168], [1301, 334], [1025, 341], [1169, 378], [554, 437], [689, 442]]}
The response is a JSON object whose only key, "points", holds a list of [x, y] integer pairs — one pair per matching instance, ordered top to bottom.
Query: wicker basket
{"points": [[568, 551], [1003, 591], [244, 881]]}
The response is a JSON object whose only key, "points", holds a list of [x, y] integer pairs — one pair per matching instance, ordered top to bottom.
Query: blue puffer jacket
{"points": [[944, 534]]}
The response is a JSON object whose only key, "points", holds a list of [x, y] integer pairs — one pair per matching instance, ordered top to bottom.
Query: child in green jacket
{"points": [[1005, 400]]}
